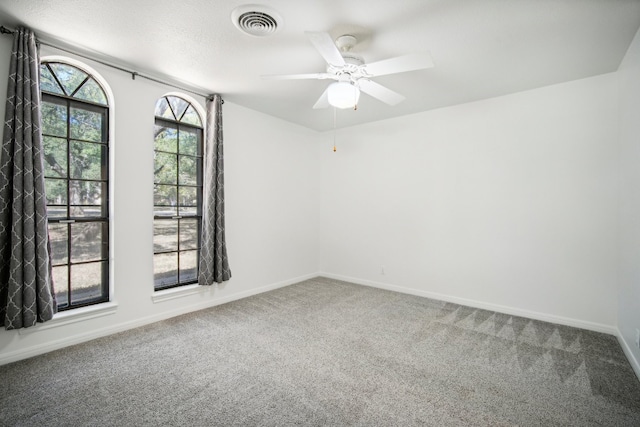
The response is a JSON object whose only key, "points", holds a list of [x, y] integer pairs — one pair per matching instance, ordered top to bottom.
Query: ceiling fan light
{"points": [[343, 95]]}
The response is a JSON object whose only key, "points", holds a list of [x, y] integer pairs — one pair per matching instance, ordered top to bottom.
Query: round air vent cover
{"points": [[256, 20]]}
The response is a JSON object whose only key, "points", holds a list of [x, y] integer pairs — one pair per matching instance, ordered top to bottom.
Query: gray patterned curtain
{"points": [[214, 265], [26, 288]]}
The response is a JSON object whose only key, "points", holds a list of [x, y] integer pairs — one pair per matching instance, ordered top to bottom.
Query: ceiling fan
{"points": [[352, 74]]}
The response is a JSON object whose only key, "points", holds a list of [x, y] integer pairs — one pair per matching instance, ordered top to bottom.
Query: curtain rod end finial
{"points": [[211, 98]]}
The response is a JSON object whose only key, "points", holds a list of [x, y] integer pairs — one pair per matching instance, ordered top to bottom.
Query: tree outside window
{"points": [[75, 116], [177, 192]]}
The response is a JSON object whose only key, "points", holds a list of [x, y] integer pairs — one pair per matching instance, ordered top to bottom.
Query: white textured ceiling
{"points": [[481, 48]]}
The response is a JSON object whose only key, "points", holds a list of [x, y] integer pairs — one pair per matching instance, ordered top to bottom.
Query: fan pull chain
{"points": [[355, 100], [334, 129]]}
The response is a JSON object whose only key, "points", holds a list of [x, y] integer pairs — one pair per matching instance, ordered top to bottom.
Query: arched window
{"points": [[75, 117], [177, 192]]}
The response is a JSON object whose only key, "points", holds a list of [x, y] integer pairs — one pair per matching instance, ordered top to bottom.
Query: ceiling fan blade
{"points": [[326, 47], [400, 64], [319, 76], [380, 92], [323, 101]]}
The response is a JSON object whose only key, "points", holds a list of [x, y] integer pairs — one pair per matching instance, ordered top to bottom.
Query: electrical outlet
{"points": [[638, 338]]}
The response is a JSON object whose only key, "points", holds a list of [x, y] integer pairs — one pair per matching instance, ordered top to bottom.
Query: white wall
{"points": [[271, 176], [508, 203], [629, 276]]}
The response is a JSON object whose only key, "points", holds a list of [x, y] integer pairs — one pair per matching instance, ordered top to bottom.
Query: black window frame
{"points": [[178, 126], [69, 220]]}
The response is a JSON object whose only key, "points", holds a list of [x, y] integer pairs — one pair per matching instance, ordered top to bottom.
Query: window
{"points": [[75, 116], [177, 193]]}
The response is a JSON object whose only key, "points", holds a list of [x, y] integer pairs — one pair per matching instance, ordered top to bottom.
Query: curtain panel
{"points": [[214, 264], [26, 287]]}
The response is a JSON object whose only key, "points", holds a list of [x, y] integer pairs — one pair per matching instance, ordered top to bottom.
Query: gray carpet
{"points": [[324, 352]]}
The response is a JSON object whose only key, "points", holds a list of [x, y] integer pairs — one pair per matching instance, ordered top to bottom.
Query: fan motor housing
{"points": [[353, 67]]}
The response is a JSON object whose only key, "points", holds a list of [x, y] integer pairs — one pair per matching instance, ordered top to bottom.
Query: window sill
{"points": [[173, 293], [73, 316]]}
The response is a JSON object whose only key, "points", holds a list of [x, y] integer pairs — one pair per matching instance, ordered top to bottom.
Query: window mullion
{"points": [[56, 79], [79, 86], [68, 182], [179, 195], [178, 254]]}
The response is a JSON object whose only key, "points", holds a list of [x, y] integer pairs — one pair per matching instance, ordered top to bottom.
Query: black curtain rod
{"points": [[134, 74]]}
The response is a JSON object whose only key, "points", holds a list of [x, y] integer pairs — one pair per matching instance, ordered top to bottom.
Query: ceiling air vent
{"points": [[256, 20]]}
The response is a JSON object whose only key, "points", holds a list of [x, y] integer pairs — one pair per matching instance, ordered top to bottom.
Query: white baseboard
{"points": [[582, 324], [112, 329], [36, 350], [629, 353]]}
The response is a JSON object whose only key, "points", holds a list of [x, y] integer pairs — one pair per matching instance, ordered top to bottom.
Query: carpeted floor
{"points": [[324, 352]]}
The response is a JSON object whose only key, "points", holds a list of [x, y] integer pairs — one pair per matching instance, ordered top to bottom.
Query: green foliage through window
{"points": [[64, 79], [75, 137], [177, 192]]}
